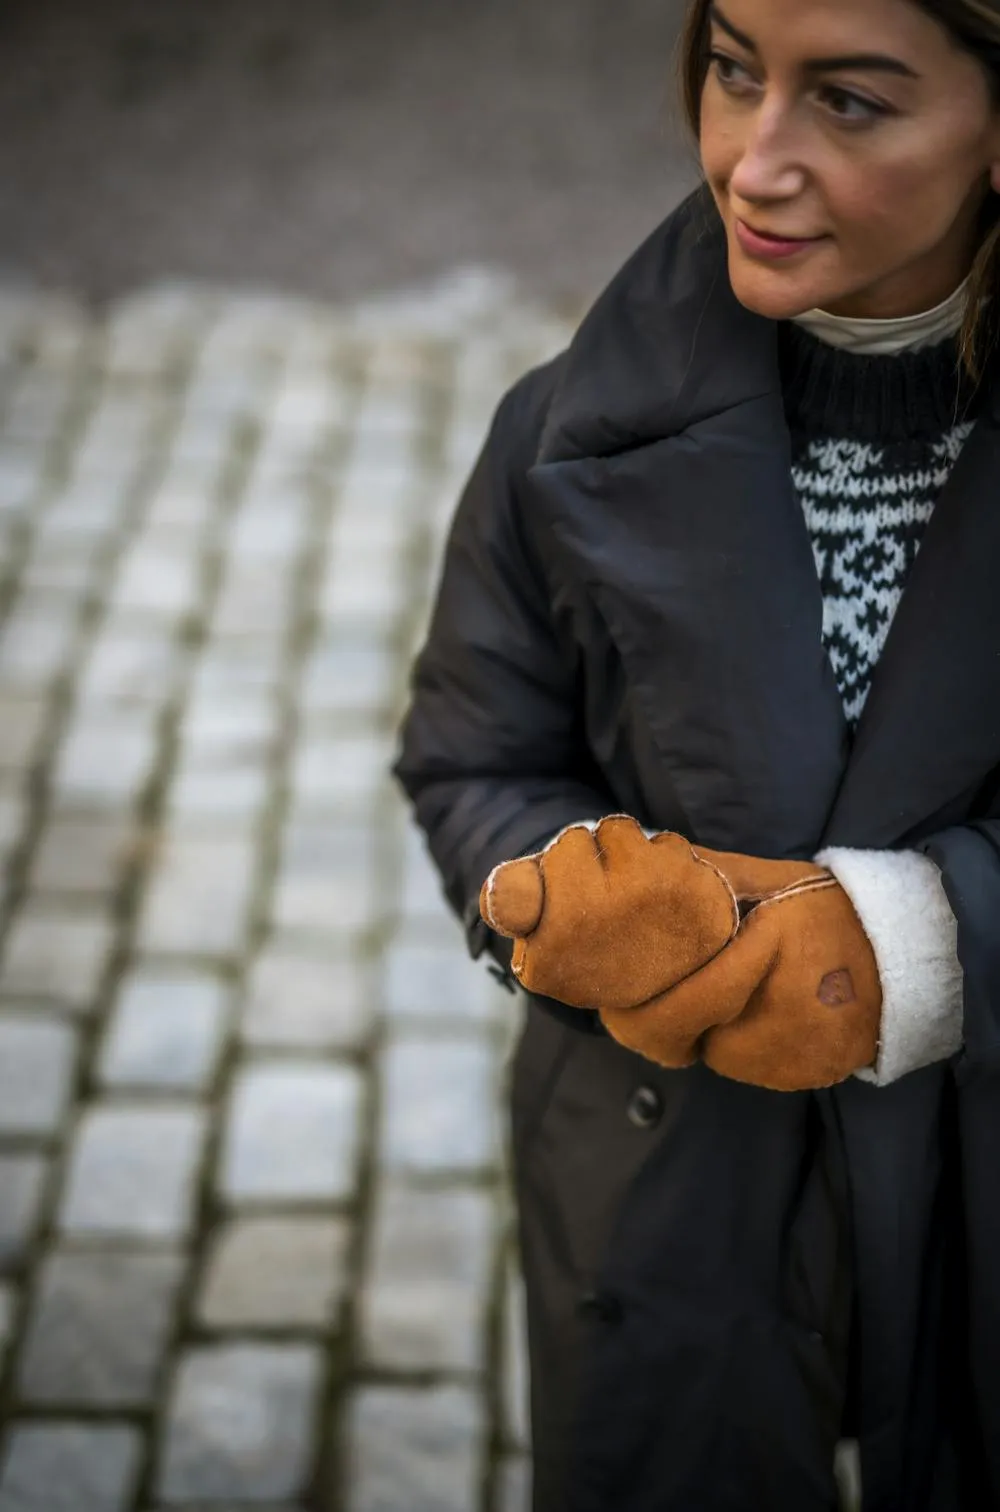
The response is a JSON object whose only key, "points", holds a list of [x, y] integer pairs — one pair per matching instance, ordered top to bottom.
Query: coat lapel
{"points": [[665, 479], [931, 725]]}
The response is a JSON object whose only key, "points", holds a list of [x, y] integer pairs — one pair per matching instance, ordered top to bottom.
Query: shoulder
{"points": [[521, 416]]}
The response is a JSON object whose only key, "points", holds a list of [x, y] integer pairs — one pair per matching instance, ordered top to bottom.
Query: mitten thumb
{"points": [[513, 897]]}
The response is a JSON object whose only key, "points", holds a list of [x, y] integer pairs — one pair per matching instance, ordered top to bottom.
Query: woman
{"points": [[758, 1190]]}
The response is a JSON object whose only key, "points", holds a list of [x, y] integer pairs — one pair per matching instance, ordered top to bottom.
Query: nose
{"points": [[768, 168]]}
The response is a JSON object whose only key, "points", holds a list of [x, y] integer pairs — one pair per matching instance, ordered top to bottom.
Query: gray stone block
{"points": [[158, 577], [36, 643], [128, 664], [237, 669], [352, 676], [22, 723], [226, 730], [106, 758], [345, 772], [231, 793], [83, 856], [326, 880], [199, 898], [58, 955], [437, 979], [299, 1001], [166, 1031], [37, 1060], [439, 1106], [293, 1134], [133, 1171], [22, 1189], [276, 1273], [425, 1297], [98, 1329], [240, 1423], [516, 1423], [418, 1448], [69, 1467], [513, 1485]]}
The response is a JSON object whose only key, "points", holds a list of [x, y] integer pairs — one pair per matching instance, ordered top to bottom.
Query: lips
{"points": [[768, 246]]}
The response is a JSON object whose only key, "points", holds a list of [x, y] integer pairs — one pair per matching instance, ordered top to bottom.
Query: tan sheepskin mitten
{"points": [[760, 968]]}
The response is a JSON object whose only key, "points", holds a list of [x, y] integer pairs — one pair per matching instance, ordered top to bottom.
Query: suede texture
{"points": [[610, 918], [760, 968]]}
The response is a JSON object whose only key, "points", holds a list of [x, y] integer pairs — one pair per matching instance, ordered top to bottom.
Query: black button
{"points": [[645, 1108], [602, 1307]]}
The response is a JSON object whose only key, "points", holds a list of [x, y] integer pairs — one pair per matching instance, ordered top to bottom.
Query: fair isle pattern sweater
{"points": [[874, 440]]}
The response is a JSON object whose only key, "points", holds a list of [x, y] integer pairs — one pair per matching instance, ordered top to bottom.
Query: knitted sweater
{"points": [[874, 439], [873, 442]]}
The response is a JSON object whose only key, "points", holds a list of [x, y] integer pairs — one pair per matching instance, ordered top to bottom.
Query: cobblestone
{"points": [[36, 643], [128, 665], [22, 720], [106, 758], [341, 772], [82, 856], [326, 882], [199, 899], [58, 955], [428, 979], [296, 1001], [166, 1031], [37, 1059], [439, 1106], [293, 1134], [132, 1171], [22, 1189], [253, 1218], [280, 1273], [425, 1297], [98, 1330], [240, 1423], [515, 1425], [418, 1449], [66, 1467], [513, 1489]]}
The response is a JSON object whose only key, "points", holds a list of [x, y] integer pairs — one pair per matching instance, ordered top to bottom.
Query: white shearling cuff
{"points": [[900, 899]]}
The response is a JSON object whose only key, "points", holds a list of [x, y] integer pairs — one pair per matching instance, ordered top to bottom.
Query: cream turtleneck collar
{"points": [[883, 338]]}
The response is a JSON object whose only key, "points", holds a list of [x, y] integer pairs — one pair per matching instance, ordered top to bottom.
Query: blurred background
{"points": [[265, 271]]}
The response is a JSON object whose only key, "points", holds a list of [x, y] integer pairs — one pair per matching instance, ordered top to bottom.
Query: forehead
{"points": [[803, 28]]}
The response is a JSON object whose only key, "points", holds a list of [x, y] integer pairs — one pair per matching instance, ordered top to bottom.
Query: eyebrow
{"points": [[880, 62]]}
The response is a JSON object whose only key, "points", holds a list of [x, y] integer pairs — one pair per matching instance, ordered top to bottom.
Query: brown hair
{"points": [[975, 25]]}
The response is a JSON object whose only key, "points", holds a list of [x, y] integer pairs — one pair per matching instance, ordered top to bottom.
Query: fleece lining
{"points": [[900, 899]]}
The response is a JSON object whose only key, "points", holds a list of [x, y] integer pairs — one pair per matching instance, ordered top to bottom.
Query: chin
{"points": [[777, 293]]}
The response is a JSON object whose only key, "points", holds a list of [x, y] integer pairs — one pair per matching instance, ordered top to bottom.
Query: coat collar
{"points": [[664, 470]]}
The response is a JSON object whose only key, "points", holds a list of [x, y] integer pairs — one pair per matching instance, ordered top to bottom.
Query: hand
{"points": [[610, 919], [760, 967], [796, 1000]]}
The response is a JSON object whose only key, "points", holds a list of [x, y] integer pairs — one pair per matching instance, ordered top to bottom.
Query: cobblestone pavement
{"points": [[254, 1237]]}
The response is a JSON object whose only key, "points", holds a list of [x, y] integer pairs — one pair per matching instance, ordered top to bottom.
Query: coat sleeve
{"points": [[493, 755], [969, 859]]}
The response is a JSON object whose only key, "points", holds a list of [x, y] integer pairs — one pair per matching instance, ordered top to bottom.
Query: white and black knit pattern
{"points": [[874, 439], [866, 509]]}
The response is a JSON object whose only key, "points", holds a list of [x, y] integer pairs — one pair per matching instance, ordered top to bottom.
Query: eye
{"points": [[733, 76], [849, 108]]}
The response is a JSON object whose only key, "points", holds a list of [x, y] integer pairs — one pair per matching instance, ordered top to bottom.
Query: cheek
{"points": [[896, 206]]}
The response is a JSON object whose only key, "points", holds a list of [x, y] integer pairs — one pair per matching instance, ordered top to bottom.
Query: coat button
{"points": [[645, 1108], [602, 1307]]}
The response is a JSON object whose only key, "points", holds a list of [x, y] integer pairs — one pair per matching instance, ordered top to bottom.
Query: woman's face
{"points": [[849, 145]]}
